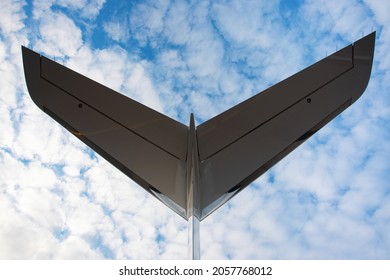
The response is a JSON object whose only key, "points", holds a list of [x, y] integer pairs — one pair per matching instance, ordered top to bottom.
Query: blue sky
{"points": [[329, 199]]}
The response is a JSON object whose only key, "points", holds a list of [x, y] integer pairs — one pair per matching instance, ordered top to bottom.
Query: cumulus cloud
{"points": [[85, 8], [12, 18], [346, 18], [116, 31], [59, 35], [328, 199], [53, 212]]}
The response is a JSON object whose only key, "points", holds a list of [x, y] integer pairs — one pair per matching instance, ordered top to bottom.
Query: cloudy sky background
{"points": [[329, 199]]}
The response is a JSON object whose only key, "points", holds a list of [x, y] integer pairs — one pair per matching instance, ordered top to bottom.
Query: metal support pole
{"points": [[193, 238]]}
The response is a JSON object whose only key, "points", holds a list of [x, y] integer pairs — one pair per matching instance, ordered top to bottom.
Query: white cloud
{"points": [[40, 7], [86, 8], [380, 9], [346, 18], [11, 19], [147, 20], [176, 27], [251, 30], [116, 31], [60, 35], [328, 199], [17, 229]]}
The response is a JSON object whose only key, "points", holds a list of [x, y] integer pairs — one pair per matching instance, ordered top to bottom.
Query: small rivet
{"points": [[308, 100], [80, 105]]}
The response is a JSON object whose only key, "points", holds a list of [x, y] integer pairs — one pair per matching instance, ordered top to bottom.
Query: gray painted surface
{"points": [[194, 170]]}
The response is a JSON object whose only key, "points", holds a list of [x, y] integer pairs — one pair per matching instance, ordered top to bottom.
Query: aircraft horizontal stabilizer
{"points": [[239, 145], [194, 170]]}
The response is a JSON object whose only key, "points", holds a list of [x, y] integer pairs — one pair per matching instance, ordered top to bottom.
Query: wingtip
{"points": [[368, 40], [364, 48], [25, 51], [28, 55], [363, 57], [31, 66]]}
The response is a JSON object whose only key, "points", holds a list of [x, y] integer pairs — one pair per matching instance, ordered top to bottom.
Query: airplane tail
{"points": [[195, 170]]}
